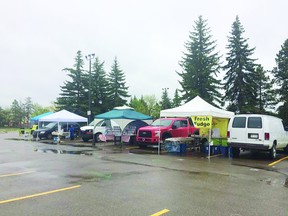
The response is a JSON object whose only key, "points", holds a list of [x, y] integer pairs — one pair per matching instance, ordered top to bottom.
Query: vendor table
{"points": [[180, 144]]}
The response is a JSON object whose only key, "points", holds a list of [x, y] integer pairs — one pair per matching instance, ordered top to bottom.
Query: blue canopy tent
{"points": [[35, 119]]}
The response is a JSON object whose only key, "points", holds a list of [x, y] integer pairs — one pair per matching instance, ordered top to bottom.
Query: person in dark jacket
{"points": [[72, 132]]}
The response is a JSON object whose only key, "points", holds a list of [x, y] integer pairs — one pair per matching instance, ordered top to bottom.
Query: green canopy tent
{"points": [[124, 115], [128, 120]]}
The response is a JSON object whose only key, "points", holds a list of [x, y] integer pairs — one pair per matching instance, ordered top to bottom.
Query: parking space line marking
{"points": [[278, 161], [15, 174], [39, 194], [164, 211]]}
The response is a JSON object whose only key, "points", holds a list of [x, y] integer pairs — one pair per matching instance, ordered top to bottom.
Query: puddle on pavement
{"points": [[56, 151], [90, 178], [286, 183]]}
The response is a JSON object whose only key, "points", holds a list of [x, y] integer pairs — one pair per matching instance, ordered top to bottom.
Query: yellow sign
{"points": [[202, 121]]}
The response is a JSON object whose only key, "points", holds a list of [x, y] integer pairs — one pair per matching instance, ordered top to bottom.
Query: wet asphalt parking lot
{"points": [[39, 178]]}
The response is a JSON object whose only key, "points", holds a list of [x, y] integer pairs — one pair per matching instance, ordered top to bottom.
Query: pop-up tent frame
{"points": [[197, 107], [123, 115], [63, 116]]}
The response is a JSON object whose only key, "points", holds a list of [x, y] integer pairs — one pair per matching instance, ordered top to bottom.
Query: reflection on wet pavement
{"points": [[57, 151]]}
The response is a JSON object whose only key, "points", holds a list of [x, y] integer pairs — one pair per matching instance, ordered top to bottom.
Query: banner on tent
{"points": [[202, 121]]}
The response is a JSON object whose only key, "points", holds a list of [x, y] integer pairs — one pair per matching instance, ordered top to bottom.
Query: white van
{"points": [[256, 132]]}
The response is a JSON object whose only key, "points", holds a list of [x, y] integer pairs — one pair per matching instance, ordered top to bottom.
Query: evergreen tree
{"points": [[201, 65], [240, 79], [281, 79], [117, 90], [265, 93], [73, 96], [165, 100], [176, 100], [100, 102], [28, 109], [17, 114]]}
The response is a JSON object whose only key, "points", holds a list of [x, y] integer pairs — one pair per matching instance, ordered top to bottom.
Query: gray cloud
{"points": [[40, 38]]}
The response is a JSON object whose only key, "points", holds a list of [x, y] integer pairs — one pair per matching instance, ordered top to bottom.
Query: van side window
{"points": [[239, 122], [254, 122]]}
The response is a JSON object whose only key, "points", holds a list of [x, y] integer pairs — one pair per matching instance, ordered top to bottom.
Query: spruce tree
{"points": [[200, 65], [240, 79], [281, 79], [117, 90], [265, 92], [99, 95], [73, 96], [165, 100], [176, 100], [28, 109], [17, 114]]}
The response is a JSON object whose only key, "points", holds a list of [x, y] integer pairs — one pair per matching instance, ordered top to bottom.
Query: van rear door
{"points": [[247, 129], [238, 130], [255, 132]]}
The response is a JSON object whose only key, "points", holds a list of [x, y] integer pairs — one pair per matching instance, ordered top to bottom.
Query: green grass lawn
{"points": [[7, 129]]}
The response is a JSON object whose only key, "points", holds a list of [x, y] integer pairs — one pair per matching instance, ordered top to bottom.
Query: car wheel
{"points": [[49, 136], [166, 136], [96, 137], [286, 149], [235, 152], [273, 152]]}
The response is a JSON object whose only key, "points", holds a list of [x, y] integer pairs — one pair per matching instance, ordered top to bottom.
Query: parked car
{"points": [[102, 127], [165, 128], [46, 131], [86, 132], [257, 133]]}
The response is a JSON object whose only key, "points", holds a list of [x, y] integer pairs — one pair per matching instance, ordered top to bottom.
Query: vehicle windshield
{"points": [[161, 122], [91, 123], [100, 123], [104, 123], [50, 125]]}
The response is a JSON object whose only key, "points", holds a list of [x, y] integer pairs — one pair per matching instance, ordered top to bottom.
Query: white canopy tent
{"points": [[196, 107], [63, 116]]}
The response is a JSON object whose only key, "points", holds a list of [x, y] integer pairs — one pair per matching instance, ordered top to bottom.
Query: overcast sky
{"points": [[40, 38]]}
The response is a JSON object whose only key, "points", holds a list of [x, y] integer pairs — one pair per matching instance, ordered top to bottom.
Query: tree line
{"points": [[246, 86]]}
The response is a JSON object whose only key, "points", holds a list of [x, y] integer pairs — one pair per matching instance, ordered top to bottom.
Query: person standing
{"points": [[72, 132]]}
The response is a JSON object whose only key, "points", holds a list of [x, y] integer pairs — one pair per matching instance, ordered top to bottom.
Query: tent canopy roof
{"points": [[196, 107], [123, 113], [63, 116], [36, 118]]}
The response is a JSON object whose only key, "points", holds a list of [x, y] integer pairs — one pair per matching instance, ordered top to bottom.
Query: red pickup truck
{"points": [[165, 128]]}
